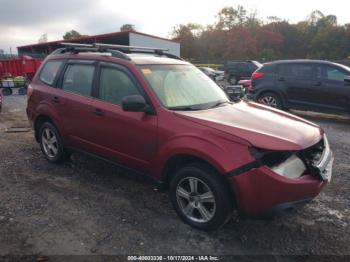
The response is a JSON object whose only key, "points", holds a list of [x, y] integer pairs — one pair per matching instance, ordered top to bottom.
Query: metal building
{"points": [[120, 38]]}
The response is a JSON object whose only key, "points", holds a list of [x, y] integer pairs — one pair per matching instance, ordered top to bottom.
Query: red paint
{"points": [[219, 136], [268, 190]]}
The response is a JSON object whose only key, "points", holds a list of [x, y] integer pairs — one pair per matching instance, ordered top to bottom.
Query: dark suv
{"points": [[239, 70], [303, 84], [163, 117]]}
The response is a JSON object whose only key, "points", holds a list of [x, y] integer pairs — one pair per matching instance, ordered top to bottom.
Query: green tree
{"points": [[229, 17], [127, 27], [72, 34], [238, 34], [188, 35]]}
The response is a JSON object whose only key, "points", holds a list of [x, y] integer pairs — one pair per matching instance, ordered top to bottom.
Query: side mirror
{"points": [[347, 80], [134, 103]]}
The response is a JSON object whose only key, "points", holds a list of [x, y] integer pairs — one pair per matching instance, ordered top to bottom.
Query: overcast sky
{"points": [[24, 21]]}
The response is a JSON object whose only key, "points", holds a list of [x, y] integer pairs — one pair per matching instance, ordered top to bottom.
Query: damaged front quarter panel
{"points": [[315, 160]]}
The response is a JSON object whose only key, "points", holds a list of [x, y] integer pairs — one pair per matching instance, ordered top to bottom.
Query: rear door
{"points": [[297, 80], [334, 92], [75, 100], [129, 138]]}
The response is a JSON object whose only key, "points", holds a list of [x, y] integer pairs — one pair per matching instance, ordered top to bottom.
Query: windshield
{"points": [[183, 87]]}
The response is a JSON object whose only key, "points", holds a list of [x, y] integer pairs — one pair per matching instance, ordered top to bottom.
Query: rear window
{"points": [[268, 69], [49, 72], [78, 79]]}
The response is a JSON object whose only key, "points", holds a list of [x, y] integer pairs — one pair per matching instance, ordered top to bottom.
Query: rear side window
{"points": [[300, 71], [49, 72], [78, 79], [115, 85]]}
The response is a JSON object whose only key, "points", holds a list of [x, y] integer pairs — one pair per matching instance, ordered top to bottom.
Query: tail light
{"points": [[257, 75]]}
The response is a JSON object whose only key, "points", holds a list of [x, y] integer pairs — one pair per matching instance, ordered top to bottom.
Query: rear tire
{"points": [[271, 99], [51, 144], [200, 197]]}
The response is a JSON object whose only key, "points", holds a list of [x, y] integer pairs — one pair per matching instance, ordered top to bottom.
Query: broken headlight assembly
{"points": [[314, 159], [283, 163], [293, 167]]}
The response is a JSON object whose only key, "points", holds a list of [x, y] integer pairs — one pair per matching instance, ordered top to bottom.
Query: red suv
{"points": [[159, 115]]}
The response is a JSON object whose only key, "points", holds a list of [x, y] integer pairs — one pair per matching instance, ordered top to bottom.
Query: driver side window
{"points": [[330, 73], [115, 85]]}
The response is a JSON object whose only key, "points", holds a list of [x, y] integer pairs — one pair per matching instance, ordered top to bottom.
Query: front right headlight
{"points": [[293, 167]]}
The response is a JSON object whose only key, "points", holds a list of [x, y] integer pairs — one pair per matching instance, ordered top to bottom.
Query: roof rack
{"points": [[80, 48], [118, 51]]}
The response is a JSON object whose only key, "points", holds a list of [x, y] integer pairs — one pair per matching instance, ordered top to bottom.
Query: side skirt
{"points": [[159, 185]]}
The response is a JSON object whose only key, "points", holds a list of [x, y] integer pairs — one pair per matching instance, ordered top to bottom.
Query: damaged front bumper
{"points": [[260, 188]]}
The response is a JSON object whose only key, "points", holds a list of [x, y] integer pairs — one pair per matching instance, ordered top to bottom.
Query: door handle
{"points": [[56, 99], [98, 112]]}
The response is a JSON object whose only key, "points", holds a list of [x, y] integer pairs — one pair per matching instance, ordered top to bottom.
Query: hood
{"points": [[259, 125]]}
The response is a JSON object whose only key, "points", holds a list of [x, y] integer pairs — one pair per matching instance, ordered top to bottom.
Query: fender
{"points": [[46, 109], [219, 155]]}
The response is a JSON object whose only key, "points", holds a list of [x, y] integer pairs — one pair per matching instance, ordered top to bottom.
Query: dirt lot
{"points": [[86, 206]]}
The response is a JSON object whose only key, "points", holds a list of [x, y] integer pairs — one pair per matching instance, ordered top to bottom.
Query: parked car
{"points": [[239, 70], [208, 71], [216, 75], [220, 75], [303, 84], [235, 92], [158, 115]]}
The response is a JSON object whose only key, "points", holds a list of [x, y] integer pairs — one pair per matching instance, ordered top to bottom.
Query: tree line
{"points": [[238, 34]]}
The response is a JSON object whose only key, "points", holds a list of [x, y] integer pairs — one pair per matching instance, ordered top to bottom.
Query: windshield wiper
{"points": [[219, 103], [185, 108]]}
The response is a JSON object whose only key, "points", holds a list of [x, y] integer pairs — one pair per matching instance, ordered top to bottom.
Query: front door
{"points": [[334, 92], [129, 138]]}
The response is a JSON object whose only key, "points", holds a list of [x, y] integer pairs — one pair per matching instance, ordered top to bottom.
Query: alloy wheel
{"points": [[269, 101], [49, 143], [195, 199]]}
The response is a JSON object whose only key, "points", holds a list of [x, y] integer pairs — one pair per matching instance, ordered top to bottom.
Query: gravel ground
{"points": [[86, 206]]}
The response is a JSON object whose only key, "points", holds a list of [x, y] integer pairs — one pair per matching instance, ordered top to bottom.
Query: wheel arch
{"points": [[276, 92], [39, 120], [179, 160]]}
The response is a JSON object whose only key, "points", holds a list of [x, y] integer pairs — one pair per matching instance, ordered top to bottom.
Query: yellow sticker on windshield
{"points": [[146, 71]]}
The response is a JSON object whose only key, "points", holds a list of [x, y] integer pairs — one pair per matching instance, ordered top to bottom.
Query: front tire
{"points": [[51, 143], [200, 197]]}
